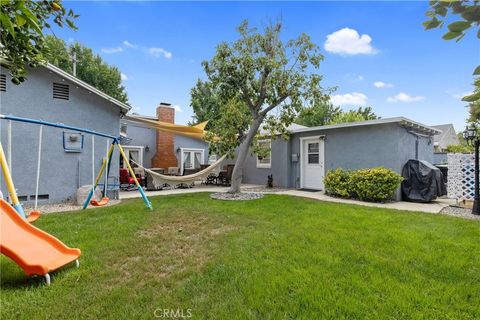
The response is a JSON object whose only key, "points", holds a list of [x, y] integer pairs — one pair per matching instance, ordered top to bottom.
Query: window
{"points": [[3, 82], [61, 91], [123, 129], [133, 153], [313, 153], [191, 159], [265, 161]]}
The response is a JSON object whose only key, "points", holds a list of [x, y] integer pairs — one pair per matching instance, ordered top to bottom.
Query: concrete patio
{"points": [[433, 207]]}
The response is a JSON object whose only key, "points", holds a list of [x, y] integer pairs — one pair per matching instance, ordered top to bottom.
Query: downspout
{"points": [[417, 135]]}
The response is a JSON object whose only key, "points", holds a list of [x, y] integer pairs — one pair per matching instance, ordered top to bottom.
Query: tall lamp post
{"points": [[470, 135]]}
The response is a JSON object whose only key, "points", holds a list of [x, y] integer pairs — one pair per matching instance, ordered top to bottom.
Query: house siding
{"points": [[141, 135], [387, 145], [280, 166], [61, 172]]}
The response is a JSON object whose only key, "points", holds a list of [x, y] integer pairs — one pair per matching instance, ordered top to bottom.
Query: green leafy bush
{"points": [[458, 148], [337, 183], [375, 184]]}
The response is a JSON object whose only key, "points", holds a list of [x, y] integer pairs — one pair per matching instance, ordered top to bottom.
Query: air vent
{"points": [[3, 82], [61, 91]]}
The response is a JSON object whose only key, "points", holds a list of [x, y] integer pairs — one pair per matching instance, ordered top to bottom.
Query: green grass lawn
{"points": [[276, 258]]}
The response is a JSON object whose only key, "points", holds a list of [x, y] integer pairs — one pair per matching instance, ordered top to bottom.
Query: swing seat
{"points": [[100, 203], [33, 216]]}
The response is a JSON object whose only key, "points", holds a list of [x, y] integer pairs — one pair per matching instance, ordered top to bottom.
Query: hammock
{"points": [[160, 179]]}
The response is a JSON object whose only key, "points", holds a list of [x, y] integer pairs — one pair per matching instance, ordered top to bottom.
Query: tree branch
{"points": [[263, 88], [273, 105]]}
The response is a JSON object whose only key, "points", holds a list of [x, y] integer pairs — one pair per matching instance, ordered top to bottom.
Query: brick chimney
{"points": [[165, 156]]}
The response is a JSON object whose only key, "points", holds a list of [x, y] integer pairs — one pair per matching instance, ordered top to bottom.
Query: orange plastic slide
{"points": [[34, 250]]}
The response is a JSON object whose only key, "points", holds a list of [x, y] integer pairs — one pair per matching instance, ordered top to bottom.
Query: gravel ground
{"points": [[236, 196], [60, 207], [459, 212]]}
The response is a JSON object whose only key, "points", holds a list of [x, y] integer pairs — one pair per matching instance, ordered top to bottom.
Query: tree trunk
{"points": [[243, 150]]}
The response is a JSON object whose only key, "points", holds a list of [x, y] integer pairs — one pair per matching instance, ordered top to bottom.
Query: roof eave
{"points": [[125, 107], [400, 120]]}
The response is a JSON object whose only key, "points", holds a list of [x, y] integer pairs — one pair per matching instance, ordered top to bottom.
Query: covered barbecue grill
{"points": [[423, 181]]}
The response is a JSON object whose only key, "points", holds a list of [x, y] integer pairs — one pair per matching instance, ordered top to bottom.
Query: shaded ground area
{"points": [[279, 257]]}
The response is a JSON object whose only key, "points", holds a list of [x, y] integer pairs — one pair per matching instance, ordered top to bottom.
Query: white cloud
{"points": [[349, 42], [128, 44], [112, 50], [159, 52], [123, 76], [360, 78], [381, 84], [403, 97], [349, 99], [177, 108]]}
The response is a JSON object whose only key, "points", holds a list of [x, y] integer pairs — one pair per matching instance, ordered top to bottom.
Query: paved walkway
{"points": [[433, 207]]}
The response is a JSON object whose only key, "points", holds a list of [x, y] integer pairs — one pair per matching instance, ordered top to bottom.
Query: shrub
{"points": [[457, 148], [337, 183], [375, 184]]}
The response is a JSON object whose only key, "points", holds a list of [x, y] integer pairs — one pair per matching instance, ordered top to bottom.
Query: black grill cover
{"points": [[423, 181]]}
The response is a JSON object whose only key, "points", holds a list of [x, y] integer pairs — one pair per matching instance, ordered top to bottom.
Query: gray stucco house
{"points": [[54, 95], [447, 137], [442, 141], [157, 149], [303, 160]]}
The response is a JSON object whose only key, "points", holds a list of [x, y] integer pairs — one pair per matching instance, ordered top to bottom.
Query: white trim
{"points": [[54, 69], [88, 87], [400, 120], [321, 147], [137, 148], [182, 150], [265, 165]]}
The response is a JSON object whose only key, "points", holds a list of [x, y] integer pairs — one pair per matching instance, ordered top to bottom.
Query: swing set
{"points": [[105, 168]]}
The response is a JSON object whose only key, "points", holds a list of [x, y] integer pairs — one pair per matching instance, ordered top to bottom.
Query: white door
{"points": [[132, 153], [191, 159], [312, 163]]}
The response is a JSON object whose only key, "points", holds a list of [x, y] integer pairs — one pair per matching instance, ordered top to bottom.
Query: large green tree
{"points": [[467, 15], [22, 40], [90, 67], [260, 81], [205, 103], [325, 113], [318, 114], [360, 114]]}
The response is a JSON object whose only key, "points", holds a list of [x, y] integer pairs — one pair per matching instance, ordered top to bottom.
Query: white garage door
{"points": [[312, 161]]}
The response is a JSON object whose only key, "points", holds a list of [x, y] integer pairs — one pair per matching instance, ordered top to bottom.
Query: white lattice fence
{"points": [[461, 176]]}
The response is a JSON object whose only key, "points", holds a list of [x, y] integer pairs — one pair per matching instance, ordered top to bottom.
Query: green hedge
{"points": [[375, 184]]}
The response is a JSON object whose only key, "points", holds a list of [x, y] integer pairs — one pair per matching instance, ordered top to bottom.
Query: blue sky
{"points": [[377, 53]]}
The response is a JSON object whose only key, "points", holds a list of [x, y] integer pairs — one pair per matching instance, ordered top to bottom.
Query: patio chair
{"points": [[173, 171], [225, 177], [126, 181]]}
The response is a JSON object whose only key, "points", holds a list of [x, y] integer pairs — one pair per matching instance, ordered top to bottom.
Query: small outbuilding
{"points": [[302, 161]]}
